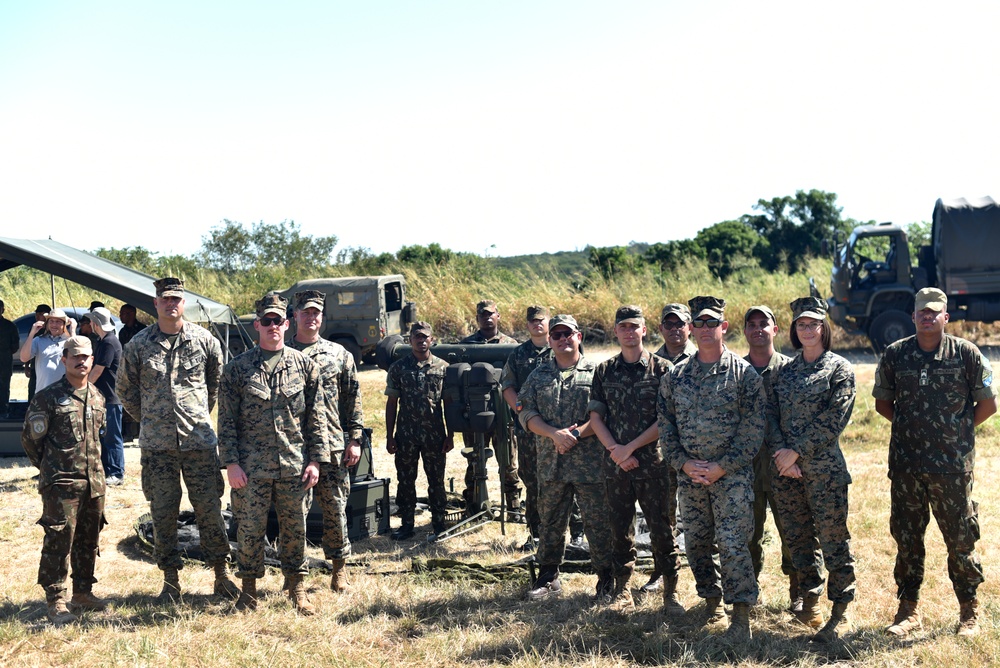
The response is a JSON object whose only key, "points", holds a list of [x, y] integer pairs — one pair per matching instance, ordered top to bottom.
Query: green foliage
{"points": [[917, 235], [730, 245], [230, 247], [431, 254], [671, 255], [610, 261]]}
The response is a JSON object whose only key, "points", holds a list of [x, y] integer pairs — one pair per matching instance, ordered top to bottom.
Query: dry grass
{"points": [[394, 617]]}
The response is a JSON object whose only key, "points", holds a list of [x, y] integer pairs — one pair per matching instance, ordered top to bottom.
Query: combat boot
{"points": [[338, 579], [654, 583], [546, 585], [224, 586], [171, 592], [297, 592], [604, 592], [248, 595], [621, 597], [84, 599], [795, 599], [671, 603], [57, 611], [714, 612], [810, 614], [968, 619], [906, 621], [739, 624], [834, 626]]}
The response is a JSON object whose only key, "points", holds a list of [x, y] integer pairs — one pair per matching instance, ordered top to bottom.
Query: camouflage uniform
{"points": [[690, 350], [170, 390], [342, 393], [624, 395], [560, 397], [810, 404], [715, 414], [270, 425], [420, 432], [61, 437], [932, 454]]}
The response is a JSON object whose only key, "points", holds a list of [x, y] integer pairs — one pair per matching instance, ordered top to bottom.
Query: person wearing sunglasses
{"points": [[675, 327], [169, 383], [809, 404], [711, 422], [272, 441]]}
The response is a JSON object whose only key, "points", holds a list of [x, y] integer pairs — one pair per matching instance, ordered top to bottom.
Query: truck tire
{"points": [[888, 327], [352, 348]]}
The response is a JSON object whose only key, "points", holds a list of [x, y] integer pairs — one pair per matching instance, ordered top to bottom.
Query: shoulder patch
{"points": [[39, 424]]}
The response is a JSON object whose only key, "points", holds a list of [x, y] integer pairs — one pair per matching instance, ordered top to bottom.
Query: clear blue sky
{"points": [[534, 126]]}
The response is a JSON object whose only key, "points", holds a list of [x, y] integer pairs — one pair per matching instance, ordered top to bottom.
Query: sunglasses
{"points": [[273, 320], [712, 323], [672, 324], [561, 334]]}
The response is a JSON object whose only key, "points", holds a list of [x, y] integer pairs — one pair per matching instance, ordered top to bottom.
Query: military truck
{"points": [[873, 280], [360, 311]]}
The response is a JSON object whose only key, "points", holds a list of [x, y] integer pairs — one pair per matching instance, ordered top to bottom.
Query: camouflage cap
{"points": [[169, 287], [931, 298], [310, 299], [272, 302], [707, 305], [486, 306], [808, 307], [680, 310], [766, 310], [536, 311], [629, 313], [57, 314], [101, 317], [563, 320], [421, 327], [77, 345]]}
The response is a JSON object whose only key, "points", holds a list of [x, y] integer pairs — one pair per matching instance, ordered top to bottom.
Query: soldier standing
{"points": [[675, 327], [169, 384], [935, 389], [554, 403], [623, 415], [711, 417], [345, 421], [415, 428], [61, 437], [272, 441]]}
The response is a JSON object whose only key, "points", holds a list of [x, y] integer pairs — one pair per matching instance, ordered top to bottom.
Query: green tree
{"points": [[917, 235], [729, 245], [230, 247], [430, 254], [673, 254], [133, 257], [610, 260]]}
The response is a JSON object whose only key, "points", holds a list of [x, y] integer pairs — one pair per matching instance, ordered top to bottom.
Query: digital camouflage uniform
{"points": [[171, 391], [624, 395], [560, 397], [810, 404], [717, 415], [345, 421], [272, 424], [420, 432], [61, 437], [932, 453]]}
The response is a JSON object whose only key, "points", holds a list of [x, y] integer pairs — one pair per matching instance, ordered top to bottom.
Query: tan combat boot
{"points": [[338, 580], [224, 586], [171, 592], [297, 592], [621, 597], [795, 598], [84, 599], [247, 601], [671, 603], [57, 611], [714, 612], [810, 614], [968, 620], [906, 621], [739, 624], [837, 624]]}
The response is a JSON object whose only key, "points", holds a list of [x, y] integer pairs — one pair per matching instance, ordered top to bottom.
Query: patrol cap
{"points": [[169, 287], [931, 298], [310, 299], [272, 302], [707, 305], [486, 306], [808, 307], [680, 310], [766, 310], [538, 312], [629, 313], [57, 314], [101, 317], [564, 321], [421, 327], [77, 345]]}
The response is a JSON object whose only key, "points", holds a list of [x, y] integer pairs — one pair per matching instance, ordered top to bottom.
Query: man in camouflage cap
{"points": [[675, 327], [169, 384], [935, 389], [554, 402], [623, 415], [711, 418], [345, 422], [415, 428], [61, 437], [272, 441]]}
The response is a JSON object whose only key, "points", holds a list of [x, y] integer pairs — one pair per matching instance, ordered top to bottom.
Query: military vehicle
{"points": [[874, 280]]}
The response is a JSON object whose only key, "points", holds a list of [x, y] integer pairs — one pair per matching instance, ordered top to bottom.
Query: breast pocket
{"points": [[294, 396], [66, 430]]}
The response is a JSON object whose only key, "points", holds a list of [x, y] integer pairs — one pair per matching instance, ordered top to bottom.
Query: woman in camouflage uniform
{"points": [[811, 400]]}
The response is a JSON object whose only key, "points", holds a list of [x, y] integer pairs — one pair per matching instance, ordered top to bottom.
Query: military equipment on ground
{"points": [[874, 280]]}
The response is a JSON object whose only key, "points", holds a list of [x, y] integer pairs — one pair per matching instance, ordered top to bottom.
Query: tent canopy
{"points": [[108, 277]]}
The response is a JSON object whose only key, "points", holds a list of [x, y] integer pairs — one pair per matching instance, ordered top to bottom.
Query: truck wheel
{"points": [[888, 327], [352, 348]]}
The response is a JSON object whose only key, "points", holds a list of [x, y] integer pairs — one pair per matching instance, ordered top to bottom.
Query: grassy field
{"points": [[395, 617]]}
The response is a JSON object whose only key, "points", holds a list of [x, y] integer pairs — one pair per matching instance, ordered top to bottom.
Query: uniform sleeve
{"points": [[213, 370], [979, 375], [885, 376], [508, 377], [128, 382], [392, 385], [528, 397], [598, 402], [229, 412], [351, 416], [666, 419], [829, 423], [315, 426], [750, 434], [773, 438], [33, 448]]}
